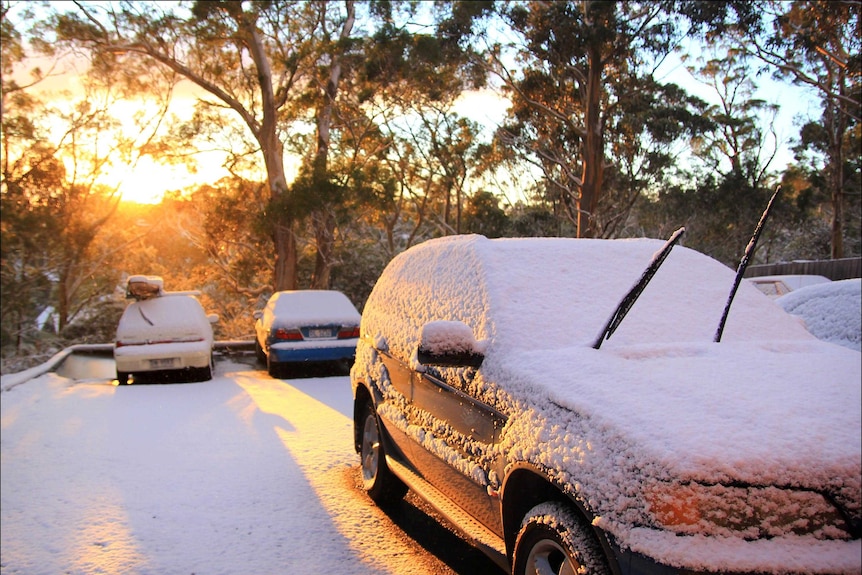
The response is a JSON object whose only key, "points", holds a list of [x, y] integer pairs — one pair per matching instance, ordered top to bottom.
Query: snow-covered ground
{"points": [[243, 474]]}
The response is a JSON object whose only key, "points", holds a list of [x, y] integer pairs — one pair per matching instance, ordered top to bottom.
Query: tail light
{"points": [[348, 332], [288, 335]]}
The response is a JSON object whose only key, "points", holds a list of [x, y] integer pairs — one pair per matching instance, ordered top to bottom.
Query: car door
{"points": [[398, 410], [455, 449]]}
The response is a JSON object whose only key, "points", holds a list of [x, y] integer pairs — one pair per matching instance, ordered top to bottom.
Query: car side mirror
{"points": [[258, 314], [212, 318], [449, 344]]}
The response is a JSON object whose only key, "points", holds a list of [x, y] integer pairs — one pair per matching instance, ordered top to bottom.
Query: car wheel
{"points": [[258, 351], [274, 368], [122, 377], [377, 480], [553, 541]]}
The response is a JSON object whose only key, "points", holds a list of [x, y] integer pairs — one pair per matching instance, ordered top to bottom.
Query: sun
{"points": [[148, 181]]}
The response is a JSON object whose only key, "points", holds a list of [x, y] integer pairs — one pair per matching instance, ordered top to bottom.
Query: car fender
{"points": [[362, 390], [526, 485]]}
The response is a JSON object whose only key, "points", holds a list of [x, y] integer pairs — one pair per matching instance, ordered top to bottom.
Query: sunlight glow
{"points": [[149, 181], [320, 441], [104, 543]]}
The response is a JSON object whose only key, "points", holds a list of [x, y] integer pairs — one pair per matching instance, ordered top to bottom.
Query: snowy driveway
{"points": [[242, 474]]}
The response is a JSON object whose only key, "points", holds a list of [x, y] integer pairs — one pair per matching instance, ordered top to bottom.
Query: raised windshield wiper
{"points": [[743, 263], [629, 300]]}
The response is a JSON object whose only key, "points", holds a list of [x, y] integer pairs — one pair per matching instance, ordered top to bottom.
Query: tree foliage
{"points": [[819, 44], [585, 101], [342, 129]]}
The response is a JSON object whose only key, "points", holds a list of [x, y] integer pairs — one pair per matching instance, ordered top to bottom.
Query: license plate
{"points": [[319, 333], [162, 363]]}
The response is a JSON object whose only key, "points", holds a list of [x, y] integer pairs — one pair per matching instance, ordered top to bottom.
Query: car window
{"points": [[772, 288], [406, 297], [172, 313]]}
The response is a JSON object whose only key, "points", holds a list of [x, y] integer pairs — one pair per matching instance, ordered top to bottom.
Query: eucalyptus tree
{"points": [[819, 44], [249, 60], [576, 64], [570, 69], [648, 133], [744, 142], [56, 148], [737, 154], [413, 165], [52, 175], [728, 182]]}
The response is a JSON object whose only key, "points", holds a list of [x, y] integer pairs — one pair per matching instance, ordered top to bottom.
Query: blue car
{"points": [[306, 326]]}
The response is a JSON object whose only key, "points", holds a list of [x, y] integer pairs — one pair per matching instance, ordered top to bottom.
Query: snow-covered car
{"points": [[779, 285], [832, 311], [302, 326], [163, 335], [486, 381]]}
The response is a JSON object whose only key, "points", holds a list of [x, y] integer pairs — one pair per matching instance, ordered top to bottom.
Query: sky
{"points": [[250, 474]]}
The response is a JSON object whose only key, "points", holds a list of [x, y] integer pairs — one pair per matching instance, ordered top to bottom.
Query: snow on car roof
{"points": [[555, 292], [304, 306]]}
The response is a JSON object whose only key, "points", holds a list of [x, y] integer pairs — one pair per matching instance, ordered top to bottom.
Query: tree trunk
{"points": [[837, 129], [593, 148], [323, 219], [283, 233], [324, 233], [284, 272], [62, 301]]}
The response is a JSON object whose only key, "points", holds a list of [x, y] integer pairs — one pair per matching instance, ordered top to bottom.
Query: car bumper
{"points": [[292, 352], [162, 356], [795, 555]]}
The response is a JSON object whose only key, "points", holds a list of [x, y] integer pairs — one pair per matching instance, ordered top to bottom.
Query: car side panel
{"points": [[400, 393], [466, 415], [443, 418], [464, 429]]}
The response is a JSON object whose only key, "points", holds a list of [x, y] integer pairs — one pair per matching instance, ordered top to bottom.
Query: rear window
{"points": [[166, 312]]}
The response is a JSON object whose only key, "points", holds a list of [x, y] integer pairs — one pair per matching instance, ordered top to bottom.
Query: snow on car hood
{"points": [[769, 403], [759, 413]]}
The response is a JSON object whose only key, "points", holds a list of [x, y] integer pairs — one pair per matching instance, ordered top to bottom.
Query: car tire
{"points": [[258, 351], [274, 368], [122, 377], [377, 480], [553, 539]]}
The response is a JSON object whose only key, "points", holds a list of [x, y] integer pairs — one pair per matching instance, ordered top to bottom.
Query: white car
{"points": [[779, 285], [831, 311], [306, 326], [163, 335]]}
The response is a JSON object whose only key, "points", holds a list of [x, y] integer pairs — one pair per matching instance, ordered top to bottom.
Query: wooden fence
{"points": [[841, 269]]}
